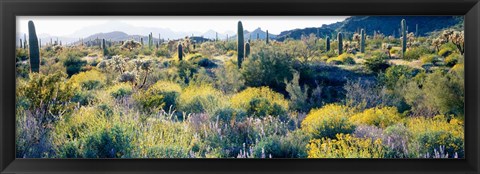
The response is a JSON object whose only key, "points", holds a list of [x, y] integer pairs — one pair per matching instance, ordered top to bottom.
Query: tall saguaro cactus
{"points": [[416, 30], [404, 36], [266, 39], [25, 41], [150, 41], [362, 41], [340, 43], [328, 44], [240, 46], [104, 47], [247, 49], [34, 51], [180, 51]]}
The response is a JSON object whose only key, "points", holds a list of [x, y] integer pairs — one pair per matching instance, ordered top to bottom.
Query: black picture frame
{"points": [[9, 9]]}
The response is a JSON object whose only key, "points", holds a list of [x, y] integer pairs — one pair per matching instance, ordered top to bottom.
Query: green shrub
{"points": [[447, 49], [163, 52], [415, 53], [21, 54], [428, 58], [343, 59], [452, 59], [205, 62], [377, 62], [73, 63], [267, 66], [398, 74], [229, 79], [89, 80], [53, 88], [120, 90], [439, 93], [161, 95], [83, 97], [200, 99], [229, 115], [328, 121], [429, 134], [112, 142], [293, 145], [70, 149]]}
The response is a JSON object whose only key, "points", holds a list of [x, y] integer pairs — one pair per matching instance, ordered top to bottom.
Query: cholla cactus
{"points": [[446, 34], [378, 35], [356, 37], [458, 38], [410, 39], [437, 43], [131, 44], [387, 47], [118, 63], [127, 77]]}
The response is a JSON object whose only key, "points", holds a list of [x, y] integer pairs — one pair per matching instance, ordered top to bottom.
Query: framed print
{"points": [[240, 86]]}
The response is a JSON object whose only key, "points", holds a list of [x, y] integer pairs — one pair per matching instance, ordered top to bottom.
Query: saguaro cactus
{"points": [[416, 30], [216, 36], [404, 36], [266, 39], [25, 41], [150, 41], [362, 41], [328, 43], [340, 43], [21, 45], [104, 46], [240, 46], [247, 49], [34, 51], [180, 51]]}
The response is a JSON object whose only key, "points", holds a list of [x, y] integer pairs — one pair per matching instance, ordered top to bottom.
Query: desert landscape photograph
{"points": [[240, 87]]}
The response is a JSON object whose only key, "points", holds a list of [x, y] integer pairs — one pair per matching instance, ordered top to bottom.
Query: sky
{"points": [[68, 25]]}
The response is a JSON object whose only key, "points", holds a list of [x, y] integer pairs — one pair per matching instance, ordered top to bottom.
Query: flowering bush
{"points": [[260, 101], [381, 117], [328, 121], [345, 146]]}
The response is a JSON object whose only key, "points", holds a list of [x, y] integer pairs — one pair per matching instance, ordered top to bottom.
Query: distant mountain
{"points": [[388, 25], [298, 33], [261, 35], [44, 39]]}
